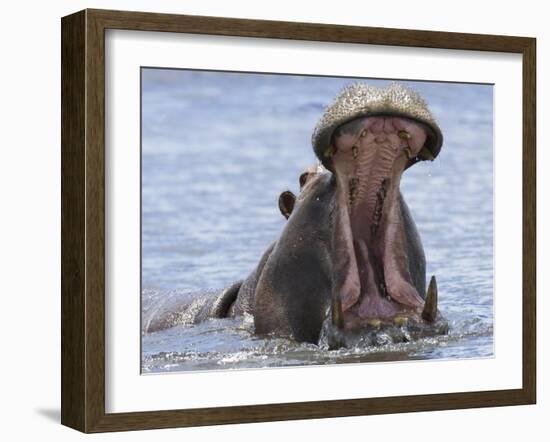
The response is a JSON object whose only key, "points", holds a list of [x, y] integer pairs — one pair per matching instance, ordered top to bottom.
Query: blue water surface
{"points": [[217, 150]]}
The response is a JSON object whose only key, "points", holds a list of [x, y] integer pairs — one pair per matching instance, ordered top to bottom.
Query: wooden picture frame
{"points": [[83, 220]]}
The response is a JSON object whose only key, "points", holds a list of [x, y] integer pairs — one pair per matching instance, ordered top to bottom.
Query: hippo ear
{"points": [[309, 173], [305, 177], [286, 203]]}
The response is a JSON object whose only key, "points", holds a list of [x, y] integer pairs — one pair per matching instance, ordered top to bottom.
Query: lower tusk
{"points": [[429, 313], [337, 316]]}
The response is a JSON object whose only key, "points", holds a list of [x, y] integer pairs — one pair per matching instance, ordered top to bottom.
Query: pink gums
{"points": [[371, 272]]}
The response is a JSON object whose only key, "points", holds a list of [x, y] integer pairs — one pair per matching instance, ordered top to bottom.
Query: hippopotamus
{"points": [[349, 265]]}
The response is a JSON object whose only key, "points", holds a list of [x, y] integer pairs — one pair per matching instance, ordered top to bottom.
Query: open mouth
{"points": [[373, 283]]}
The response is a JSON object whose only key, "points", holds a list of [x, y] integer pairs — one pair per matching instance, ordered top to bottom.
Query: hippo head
{"points": [[367, 138]]}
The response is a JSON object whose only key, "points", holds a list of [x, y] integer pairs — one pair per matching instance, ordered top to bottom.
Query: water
{"points": [[219, 148]]}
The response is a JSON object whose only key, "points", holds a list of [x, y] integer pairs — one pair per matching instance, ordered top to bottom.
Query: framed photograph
{"points": [[270, 220]]}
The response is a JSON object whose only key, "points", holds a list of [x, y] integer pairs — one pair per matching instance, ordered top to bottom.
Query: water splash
{"points": [[220, 344]]}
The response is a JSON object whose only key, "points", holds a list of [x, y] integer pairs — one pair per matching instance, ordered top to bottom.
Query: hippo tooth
{"points": [[404, 135], [355, 151], [329, 152], [409, 153], [426, 154], [430, 305], [336, 312], [400, 321], [374, 323]]}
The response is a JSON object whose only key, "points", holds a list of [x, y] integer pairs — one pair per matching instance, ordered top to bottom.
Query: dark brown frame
{"points": [[83, 217]]}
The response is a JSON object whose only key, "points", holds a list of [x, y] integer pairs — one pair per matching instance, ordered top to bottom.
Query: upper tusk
{"points": [[404, 135], [329, 152], [426, 154]]}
